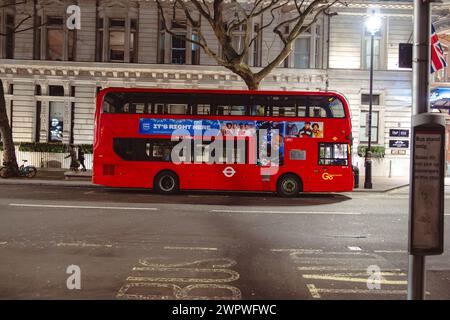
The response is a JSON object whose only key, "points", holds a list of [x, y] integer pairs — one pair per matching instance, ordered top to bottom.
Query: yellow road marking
{"points": [[339, 268], [351, 279], [313, 290], [361, 291]]}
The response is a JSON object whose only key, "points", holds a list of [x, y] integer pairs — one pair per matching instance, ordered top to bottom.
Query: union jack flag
{"points": [[437, 52]]}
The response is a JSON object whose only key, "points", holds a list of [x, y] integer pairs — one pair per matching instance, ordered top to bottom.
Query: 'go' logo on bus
{"points": [[328, 176]]}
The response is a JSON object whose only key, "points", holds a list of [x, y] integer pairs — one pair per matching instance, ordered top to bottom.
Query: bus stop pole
{"points": [[420, 101]]}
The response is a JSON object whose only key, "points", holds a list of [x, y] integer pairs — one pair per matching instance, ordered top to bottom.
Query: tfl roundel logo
{"points": [[229, 172]]}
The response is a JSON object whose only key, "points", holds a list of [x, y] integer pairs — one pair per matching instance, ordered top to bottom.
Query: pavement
{"points": [[63, 177]]}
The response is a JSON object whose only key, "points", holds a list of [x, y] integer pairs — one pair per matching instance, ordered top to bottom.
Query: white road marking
{"points": [[77, 207], [286, 212], [3, 243], [83, 244], [191, 248], [354, 248], [297, 250], [390, 251], [295, 254], [212, 262], [182, 280]]}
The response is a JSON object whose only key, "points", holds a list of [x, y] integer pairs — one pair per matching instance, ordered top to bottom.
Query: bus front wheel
{"points": [[166, 182], [289, 185]]}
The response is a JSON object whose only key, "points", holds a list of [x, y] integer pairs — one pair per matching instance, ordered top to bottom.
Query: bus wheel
{"points": [[166, 182], [289, 185]]}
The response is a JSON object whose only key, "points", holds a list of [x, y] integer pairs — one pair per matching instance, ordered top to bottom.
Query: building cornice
{"points": [[31, 70]]}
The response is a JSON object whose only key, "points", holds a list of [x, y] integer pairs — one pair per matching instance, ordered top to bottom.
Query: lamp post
{"points": [[373, 25]]}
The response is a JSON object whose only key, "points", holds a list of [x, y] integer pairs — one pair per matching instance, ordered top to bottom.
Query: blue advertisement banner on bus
{"points": [[198, 127], [243, 128], [273, 135]]}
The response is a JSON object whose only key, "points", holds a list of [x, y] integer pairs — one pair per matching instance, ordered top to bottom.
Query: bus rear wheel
{"points": [[166, 182], [289, 185]]}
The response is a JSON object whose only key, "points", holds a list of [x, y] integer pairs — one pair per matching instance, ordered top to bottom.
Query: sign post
{"points": [[426, 193]]}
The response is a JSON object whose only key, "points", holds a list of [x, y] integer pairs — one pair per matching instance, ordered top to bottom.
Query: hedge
{"points": [[377, 151]]}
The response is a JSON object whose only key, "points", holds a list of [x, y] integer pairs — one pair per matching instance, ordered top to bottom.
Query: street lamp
{"points": [[373, 25]]}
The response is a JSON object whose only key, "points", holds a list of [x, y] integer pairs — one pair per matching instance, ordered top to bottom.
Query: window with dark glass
{"points": [[100, 35], [9, 37], [37, 38], [55, 38], [238, 39], [117, 40], [133, 40], [161, 40], [377, 42], [178, 43], [71, 45], [195, 49], [302, 49], [257, 61], [286, 61], [56, 91], [365, 99], [363, 127], [37, 132], [132, 149]]}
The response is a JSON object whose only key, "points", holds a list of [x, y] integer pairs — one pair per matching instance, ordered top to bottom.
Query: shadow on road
{"points": [[231, 198]]}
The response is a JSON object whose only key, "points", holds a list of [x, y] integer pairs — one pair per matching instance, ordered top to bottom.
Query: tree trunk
{"points": [[251, 80], [252, 85], [9, 153]]}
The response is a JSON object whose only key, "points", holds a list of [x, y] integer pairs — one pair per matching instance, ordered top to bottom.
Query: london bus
{"points": [[309, 135]]}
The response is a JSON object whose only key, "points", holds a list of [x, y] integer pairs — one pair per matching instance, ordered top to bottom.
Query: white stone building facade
{"points": [[52, 72]]}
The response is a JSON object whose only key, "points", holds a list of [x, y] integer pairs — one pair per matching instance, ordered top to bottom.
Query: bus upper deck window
{"points": [[139, 107], [178, 109], [203, 109], [301, 111], [317, 112]]}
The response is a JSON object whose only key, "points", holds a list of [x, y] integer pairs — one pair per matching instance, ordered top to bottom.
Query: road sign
{"points": [[399, 133], [398, 143], [427, 192]]}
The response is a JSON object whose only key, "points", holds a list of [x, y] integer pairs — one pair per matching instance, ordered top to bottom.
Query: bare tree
{"points": [[226, 17], [9, 154]]}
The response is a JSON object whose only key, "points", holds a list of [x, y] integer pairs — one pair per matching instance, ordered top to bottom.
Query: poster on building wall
{"points": [[56, 121]]}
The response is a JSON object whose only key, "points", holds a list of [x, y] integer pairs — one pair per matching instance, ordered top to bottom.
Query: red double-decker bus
{"points": [[285, 142]]}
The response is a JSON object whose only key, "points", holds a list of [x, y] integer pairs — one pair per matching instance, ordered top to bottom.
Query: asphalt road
{"points": [[131, 244]]}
